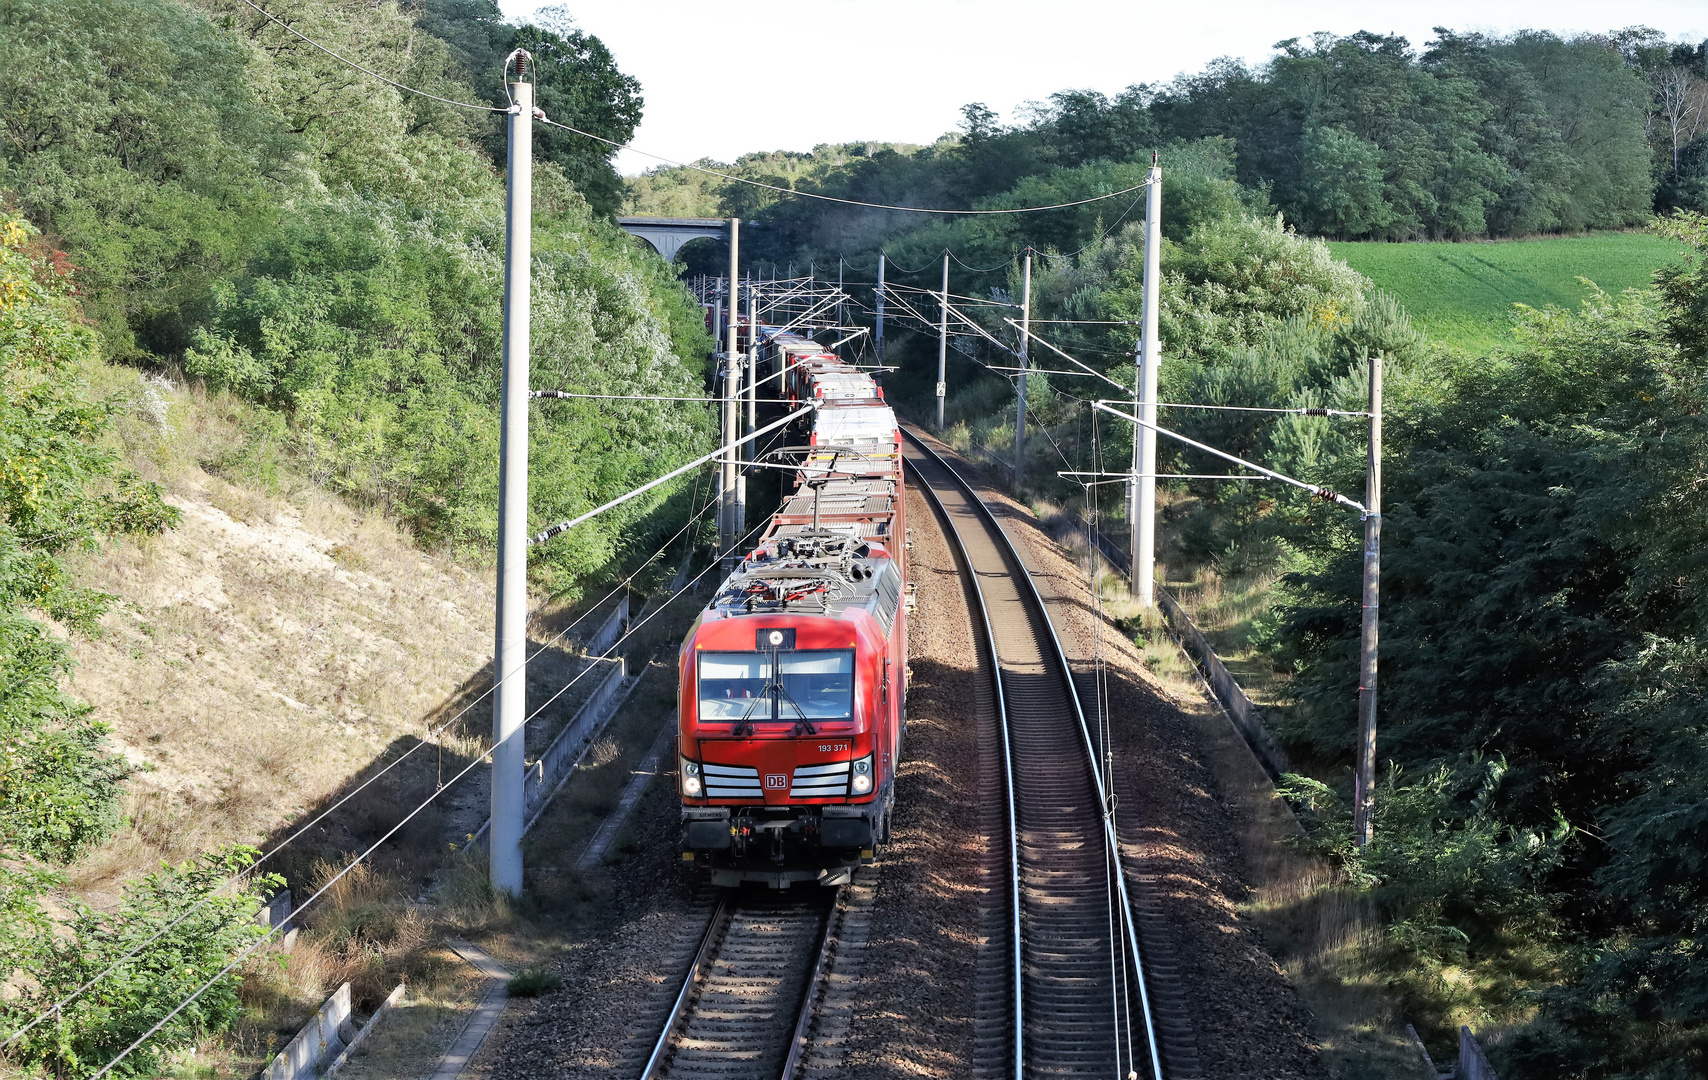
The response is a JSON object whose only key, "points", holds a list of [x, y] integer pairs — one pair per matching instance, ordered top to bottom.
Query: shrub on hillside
{"points": [[376, 324], [60, 487], [1543, 600], [201, 919]]}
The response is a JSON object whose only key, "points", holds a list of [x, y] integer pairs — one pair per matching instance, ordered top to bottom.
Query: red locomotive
{"points": [[794, 678]]}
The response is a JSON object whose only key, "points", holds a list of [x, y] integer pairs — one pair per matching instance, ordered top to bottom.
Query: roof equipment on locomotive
{"points": [[793, 679]]}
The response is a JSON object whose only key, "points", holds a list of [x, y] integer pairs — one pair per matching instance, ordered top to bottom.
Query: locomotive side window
{"points": [[887, 591], [816, 684]]}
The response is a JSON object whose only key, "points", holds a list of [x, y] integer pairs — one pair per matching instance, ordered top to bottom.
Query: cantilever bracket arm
{"points": [[1089, 370], [1326, 494], [546, 534]]}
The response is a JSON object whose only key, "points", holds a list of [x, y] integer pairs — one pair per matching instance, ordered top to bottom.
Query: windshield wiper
{"points": [[803, 722], [744, 726]]}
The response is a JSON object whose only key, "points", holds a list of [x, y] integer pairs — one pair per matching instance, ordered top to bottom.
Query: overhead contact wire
{"points": [[108, 1067]]}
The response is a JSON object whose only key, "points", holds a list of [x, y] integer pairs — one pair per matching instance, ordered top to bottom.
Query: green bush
{"points": [[376, 325], [60, 488], [1543, 607], [214, 919], [534, 981]]}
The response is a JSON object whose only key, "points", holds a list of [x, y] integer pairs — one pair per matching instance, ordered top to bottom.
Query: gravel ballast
{"points": [[909, 1003]]}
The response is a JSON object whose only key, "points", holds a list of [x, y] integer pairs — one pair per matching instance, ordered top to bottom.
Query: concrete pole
{"points": [[717, 309], [719, 334], [1025, 338], [878, 339], [943, 344], [752, 376], [732, 389], [1144, 438], [510, 666], [1365, 796]]}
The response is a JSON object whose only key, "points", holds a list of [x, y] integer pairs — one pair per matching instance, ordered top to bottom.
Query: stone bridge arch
{"points": [[667, 235]]}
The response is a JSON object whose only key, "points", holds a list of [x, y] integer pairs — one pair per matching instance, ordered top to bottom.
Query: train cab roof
{"points": [[859, 508], [804, 572]]}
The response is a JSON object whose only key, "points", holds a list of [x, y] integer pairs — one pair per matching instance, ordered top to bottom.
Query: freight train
{"points": [[792, 699]]}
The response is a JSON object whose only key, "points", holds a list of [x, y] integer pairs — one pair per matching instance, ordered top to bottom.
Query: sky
{"points": [[724, 77]]}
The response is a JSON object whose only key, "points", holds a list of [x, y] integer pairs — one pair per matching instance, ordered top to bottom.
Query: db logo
{"points": [[776, 780]]}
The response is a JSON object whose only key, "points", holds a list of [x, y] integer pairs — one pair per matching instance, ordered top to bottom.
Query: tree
{"points": [[576, 82], [1595, 100], [1087, 126], [131, 132], [1341, 183], [60, 489], [210, 913]]}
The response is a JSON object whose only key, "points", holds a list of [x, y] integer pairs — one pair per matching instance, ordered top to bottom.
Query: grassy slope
{"points": [[1462, 294], [266, 649]]}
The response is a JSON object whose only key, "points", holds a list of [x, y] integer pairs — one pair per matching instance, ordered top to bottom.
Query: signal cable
{"points": [[542, 118], [830, 198], [890, 260], [976, 270], [563, 526], [1105, 729], [432, 734]]}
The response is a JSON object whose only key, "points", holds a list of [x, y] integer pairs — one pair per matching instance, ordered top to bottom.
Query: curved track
{"points": [[1080, 1005], [744, 1009]]}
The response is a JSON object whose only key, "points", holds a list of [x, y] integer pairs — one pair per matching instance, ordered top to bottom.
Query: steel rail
{"points": [[1007, 772], [1111, 841], [719, 914], [713, 942], [803, 1022]]}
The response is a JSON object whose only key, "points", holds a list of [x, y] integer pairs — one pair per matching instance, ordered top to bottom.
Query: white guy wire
{"points": [[1072, 360], [1315, 489], [546, 534], [352, 793], [107, 1068]]}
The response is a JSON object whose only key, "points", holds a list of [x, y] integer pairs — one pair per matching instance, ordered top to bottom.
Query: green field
{"points": [[1462, 294]]}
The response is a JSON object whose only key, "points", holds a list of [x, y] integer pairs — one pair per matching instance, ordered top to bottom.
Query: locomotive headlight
{"points": [[691, 783], [861, 783]]}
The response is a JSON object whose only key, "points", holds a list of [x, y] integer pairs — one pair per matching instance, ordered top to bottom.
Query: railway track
{"points": [[1065, 961], [747, 1003], [1080, 1006]]}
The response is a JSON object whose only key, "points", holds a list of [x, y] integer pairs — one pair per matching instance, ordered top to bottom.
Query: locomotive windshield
{"points": [[815, 685]]}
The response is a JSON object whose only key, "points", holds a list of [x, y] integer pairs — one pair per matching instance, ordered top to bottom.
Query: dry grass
{"points": [[1226, 607], [264, 651], [258, 661], [365, 933], [1321, 933], [434, 1009]]}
